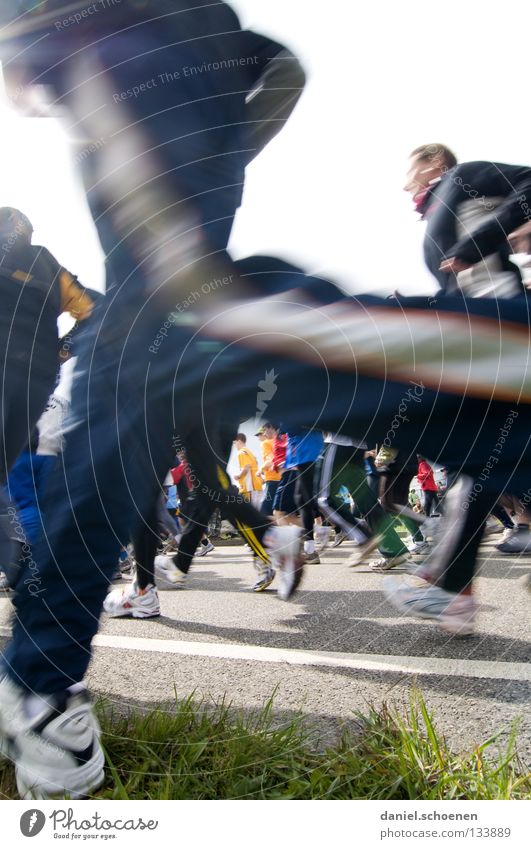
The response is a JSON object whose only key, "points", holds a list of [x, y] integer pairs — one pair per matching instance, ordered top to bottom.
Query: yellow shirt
{"points": [[250, 482]]}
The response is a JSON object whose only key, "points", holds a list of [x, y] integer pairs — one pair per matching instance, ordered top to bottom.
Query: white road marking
{"points": [[370, 662]]}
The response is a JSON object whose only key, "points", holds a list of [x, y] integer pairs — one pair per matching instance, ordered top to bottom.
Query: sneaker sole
{"points": [[424, 550], [392, 563], [388, 567], [166, 579], [134, 614], [456, 629], [77, 783]]}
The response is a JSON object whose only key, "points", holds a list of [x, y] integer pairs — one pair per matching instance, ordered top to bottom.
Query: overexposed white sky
{"points": [[384, 77]]}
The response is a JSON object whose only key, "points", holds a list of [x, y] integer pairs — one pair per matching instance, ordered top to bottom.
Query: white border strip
{"points": [[369, 662]]}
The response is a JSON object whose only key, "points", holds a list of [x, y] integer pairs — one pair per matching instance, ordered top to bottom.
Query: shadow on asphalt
{"points": [[352, 622]]}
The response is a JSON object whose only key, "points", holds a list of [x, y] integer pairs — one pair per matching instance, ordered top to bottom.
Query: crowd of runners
{"points": [[168, 361]]}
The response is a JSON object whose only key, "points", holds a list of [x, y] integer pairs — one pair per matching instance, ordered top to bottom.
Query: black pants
{"points": [[305, 497], [429, 501], [145, 543], [453, 559]]}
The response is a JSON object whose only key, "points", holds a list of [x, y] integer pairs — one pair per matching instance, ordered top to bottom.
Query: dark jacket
{"points": [[242, 65], [179, 87], [469, 215], [34, 290]]}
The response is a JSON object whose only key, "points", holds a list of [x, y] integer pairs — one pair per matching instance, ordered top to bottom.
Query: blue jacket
{"points": [[304, 447]]}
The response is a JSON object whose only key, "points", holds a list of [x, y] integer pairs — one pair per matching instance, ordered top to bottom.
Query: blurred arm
{"points": [[274, 97]]}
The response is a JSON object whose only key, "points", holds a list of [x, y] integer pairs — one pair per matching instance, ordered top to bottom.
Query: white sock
{"points": [[309, 547]]}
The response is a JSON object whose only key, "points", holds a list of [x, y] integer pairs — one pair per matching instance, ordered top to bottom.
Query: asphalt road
{"points": [[333, 649]]}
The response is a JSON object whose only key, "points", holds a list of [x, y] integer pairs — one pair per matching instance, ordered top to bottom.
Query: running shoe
{"points": [[492, 526], [321, 535], [507, 535], [339, 538], [518, 543], [171, 545], [283, 545], [421, 547], [204, 549], [363, 550], [311, 558], [126, 560], [385, 564], [126, 567], [166, 570], [265, 579], [140, 604], [455, 613], [54, 742]]}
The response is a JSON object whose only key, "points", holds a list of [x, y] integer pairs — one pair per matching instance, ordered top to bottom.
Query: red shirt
{"points": [[280, 446], [181, 471], [425, 477]]}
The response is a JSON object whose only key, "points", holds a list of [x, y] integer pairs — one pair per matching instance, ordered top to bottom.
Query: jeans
{"points": [[139, 375], [22, 400]]}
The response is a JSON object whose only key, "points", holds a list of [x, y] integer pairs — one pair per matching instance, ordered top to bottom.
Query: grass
{"points": [[210, 752]]}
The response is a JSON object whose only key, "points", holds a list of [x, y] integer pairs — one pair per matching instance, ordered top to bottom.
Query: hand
{"points": [[520, 239], [454, 265]]}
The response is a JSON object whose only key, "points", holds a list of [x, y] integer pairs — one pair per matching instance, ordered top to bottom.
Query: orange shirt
{"points": [[267, 457]]}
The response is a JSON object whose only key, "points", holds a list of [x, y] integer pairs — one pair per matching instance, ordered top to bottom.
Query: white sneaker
{"points": [[492, 526], [507, 534], [321, 536], [518, 543], [283, 545], [421, 547], [204, 549], [364, 550], [384, 564], [166, 570], [133, 602], [455, 613], [54, 742]]}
